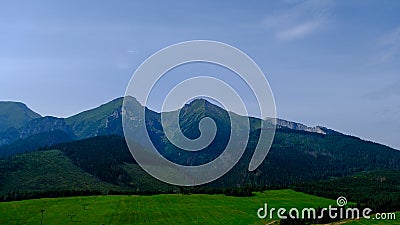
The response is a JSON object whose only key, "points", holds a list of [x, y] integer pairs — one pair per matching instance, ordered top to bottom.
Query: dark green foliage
{"points": [[34, 142], [100, 156], [298, 156], [295, 157], [45, 173], [378, 190], [17, 195]]}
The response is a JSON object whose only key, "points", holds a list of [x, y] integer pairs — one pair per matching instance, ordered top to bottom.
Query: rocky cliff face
{"points": [[280, 123], [112, 124], [9, 136]]}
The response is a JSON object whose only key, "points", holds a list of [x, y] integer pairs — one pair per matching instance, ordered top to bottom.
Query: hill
{"points": [[43, 172]]}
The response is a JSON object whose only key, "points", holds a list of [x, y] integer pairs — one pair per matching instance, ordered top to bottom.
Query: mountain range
{"points": [[19, 124], [87, 152]]}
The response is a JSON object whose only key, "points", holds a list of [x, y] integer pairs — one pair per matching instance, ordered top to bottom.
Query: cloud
{"points": [[298, 20], [299, 30], [391, 44], [391, 90]]}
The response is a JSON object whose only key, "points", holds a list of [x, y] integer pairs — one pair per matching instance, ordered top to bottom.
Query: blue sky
{"points": [[330, 63]]}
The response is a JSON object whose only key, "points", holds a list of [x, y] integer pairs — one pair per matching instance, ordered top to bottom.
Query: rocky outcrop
{"points": [[281, 124]]}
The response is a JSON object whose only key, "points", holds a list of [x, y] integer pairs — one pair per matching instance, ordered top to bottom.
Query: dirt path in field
{"points": [[272, 222]]}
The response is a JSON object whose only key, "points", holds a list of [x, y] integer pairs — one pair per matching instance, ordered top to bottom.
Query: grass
{"points": [[157, 209]]}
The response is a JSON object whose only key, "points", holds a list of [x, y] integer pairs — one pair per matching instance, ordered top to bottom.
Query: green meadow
{"points": [[156, 209], [162, 209]]}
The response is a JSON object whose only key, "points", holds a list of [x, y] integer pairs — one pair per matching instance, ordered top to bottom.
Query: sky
{"points": [[329, 63]]}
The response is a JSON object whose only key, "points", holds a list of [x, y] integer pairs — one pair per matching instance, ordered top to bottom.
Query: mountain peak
{"points": [[198, 102], [203, 103], [14, 105], [15, 114]]}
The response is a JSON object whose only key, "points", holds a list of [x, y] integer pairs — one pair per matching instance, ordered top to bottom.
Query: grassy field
{"points": [[157, 209], [160, 209]]}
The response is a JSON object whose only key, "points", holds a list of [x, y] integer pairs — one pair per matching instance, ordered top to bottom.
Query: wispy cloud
{"points": [[299, 20], [299, 31], [391, 44], [391, 90]]}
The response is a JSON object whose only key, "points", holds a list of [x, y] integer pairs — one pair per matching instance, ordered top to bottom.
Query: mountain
{"points": [[15, 114], [107, 119], [103, 120], [280, 123], [43, 125], [38, 132], [9, 136], [35, 142], [83, 143]]}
